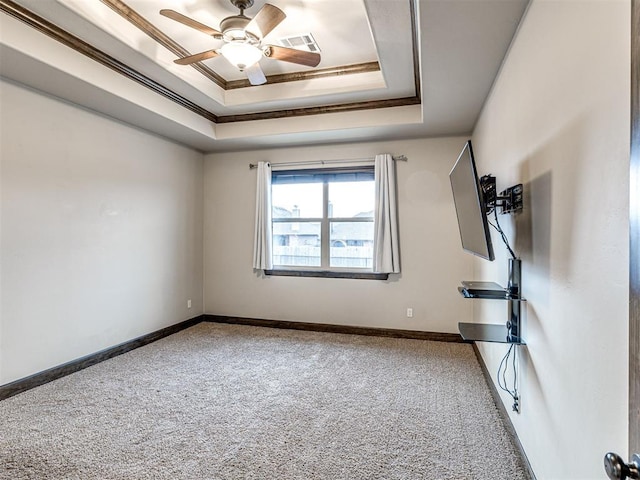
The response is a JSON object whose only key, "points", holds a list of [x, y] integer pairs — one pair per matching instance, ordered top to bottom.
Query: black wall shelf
{"points": [[482, 332], [496, 333]]}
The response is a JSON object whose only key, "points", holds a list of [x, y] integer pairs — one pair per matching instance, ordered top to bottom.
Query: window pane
{"points": [[351, 199], [297, 200], [296, 244], [351, 244]]}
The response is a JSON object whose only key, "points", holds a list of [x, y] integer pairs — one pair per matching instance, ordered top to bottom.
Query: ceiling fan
{"points": [[242, 38]]}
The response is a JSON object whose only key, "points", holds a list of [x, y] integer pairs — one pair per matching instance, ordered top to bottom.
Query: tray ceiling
{"points": [[374, 78]]}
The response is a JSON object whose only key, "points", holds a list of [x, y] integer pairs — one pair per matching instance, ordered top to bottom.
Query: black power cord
{"points": [[502, 235], [511, 353], [502, 377]]}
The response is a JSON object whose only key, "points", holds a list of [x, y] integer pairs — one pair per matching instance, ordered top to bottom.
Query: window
{"points": [[323, 219]]}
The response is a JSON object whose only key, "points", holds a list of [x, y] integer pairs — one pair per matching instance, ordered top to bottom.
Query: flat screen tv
{"points": [[471, 208]]}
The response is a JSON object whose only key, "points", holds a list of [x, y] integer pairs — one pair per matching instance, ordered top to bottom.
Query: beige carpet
{"points": [[237, 402]]}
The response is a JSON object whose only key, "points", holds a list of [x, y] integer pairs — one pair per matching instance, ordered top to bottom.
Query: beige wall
{"points": [[558, 121], [101, 232], [432, 259]]}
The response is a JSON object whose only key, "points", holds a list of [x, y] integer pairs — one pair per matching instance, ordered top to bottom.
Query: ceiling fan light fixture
{"points": [[244, 36], [241, 55]]}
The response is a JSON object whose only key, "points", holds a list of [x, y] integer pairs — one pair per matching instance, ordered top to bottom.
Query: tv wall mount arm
{"points": [[509, 200]]}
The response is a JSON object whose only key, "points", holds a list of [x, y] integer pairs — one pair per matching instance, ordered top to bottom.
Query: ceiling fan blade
{"points": [[268, 18], [189, 22], [292, 55], [198, 57], [255, 74]]}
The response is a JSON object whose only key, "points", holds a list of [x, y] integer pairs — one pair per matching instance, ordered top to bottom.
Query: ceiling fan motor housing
{"points": [[231, 25], [233, 28]]}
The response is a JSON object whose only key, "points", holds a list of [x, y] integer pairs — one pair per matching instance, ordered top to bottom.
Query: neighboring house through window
{"points": [[323, 219]]}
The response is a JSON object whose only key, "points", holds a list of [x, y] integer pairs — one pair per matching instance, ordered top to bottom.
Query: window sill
{"points": [[327, 274]]}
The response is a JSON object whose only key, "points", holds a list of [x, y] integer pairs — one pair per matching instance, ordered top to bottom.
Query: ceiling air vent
{"points": [[304, 41]]}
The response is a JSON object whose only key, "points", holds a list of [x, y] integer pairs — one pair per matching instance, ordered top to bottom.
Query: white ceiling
{"points": [[460, 43]]}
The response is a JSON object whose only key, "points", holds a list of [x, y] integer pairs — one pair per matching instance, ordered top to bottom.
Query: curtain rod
{"points": [[402, 158]]}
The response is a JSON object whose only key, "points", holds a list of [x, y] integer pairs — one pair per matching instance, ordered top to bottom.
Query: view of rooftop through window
{"points": [[323, 224]]}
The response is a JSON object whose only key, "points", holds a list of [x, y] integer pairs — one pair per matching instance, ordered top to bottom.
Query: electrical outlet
{"points": [[189, 303], [409, 312]]}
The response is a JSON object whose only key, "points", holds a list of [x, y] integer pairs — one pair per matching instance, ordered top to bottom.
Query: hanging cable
{"points": [[501, 232], [502, 377]]}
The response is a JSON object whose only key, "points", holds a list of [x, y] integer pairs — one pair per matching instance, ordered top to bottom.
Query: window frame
{"points": [[325, 270]]}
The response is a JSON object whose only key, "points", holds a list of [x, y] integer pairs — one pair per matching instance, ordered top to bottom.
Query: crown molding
{"points": [[129, 14], [42, 25]]}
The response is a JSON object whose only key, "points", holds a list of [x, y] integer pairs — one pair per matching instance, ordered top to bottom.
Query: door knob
{"points": [[618, 470]]}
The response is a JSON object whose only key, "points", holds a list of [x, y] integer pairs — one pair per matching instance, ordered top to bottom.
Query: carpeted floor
{"points": [[236, 402]]}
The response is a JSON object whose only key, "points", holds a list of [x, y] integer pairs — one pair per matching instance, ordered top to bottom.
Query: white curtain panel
{"points": [[262, 246], [386, 247]]}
